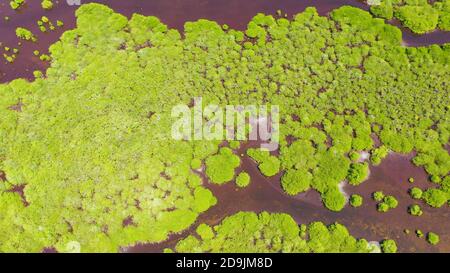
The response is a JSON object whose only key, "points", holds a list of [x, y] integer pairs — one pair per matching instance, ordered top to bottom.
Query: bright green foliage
{"points": [[15, 4], [47, 4], [443, 6], [384, 10], [419, 16], [420, 19], [362, 21], [25, 34], [45, 58], [235, 144], [90, 155], [376, 155], [354, 156], [436, 161], [196, 163], [268, 165], [220, 167], [331, 170], [357, 173], [436, 179], [243, 180], [294, 181], [416, 193], [378, 196], [435, 197], [203, 199], [333, 199], [356, 200], [391, 201], [383, 207], [415, 210], [205, 232], [247, 232], [419, 233], [432, 238], [388, 246]]}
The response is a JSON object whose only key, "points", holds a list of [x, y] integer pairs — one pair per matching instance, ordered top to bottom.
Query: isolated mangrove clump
{"points": [[47, 4], [420, 16], [25, 34], [106, 100], [357, 173], [416, 193], [356, 200], [388, 202], [415, 210], [432, 238], [388, 246]]}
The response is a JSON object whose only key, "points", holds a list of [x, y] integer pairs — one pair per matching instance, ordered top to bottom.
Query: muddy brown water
{"points": [[174, 13], [263, 194]]}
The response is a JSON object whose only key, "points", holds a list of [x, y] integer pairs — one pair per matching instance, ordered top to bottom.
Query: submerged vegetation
{"points": [[106, 101]]}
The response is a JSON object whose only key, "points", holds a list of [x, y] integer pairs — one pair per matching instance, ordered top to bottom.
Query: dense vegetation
{"points": [[420, 16], [88, 143], [220, 167], [388, 202], [250, 232], [433, 238], [389, 246]]}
